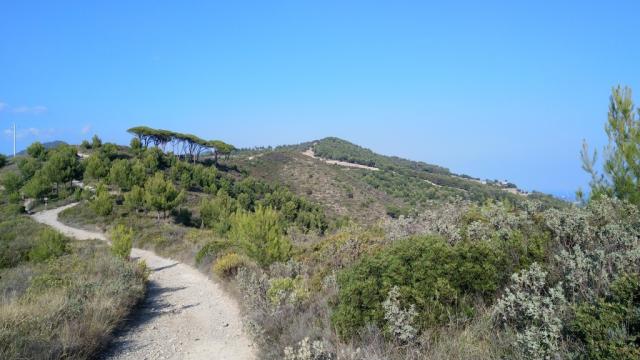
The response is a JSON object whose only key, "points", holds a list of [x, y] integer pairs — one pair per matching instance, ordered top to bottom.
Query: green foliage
{"points": [[96, 142], [85, 145], [338, 149], [37, 151], [3, 160], [62, 166], [96, 166], [28, 167], [122, 175], [621, 177], [11, 182], [37, 187], [161, 195], [134, 199], [103, 202], [216, 212], [260, 235], [121, 241], [50, 244], [228, 265], [441, 280], [286, 291], [533, 310], [610, 327]]}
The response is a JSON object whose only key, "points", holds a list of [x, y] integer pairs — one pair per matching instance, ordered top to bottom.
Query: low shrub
{"points": [[121, 241], [50, 244], [227, 266], [442, 281], [610, 327]]}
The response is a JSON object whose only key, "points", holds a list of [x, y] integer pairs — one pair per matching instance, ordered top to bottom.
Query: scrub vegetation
{"points": [[407, 262]]}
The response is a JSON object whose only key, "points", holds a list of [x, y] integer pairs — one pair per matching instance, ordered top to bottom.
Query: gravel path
{"points": [[184, 316]]}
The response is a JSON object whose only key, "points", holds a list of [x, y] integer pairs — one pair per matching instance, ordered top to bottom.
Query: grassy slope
{"points": [[363, 195], [65, 307]]}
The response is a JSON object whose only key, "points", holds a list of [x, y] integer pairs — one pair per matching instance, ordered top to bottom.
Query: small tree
{"points": [[96, 142], [37, 151], [3, 160], [62, 166], [97, 167], [120, 174], [621, 177], [11, 182], [37, 187], [161, 195], [134, 199], [103, 203], [260, 235], [121, 241]]}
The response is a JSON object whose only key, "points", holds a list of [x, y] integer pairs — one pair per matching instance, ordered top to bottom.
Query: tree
{"points": [[96, 142], [220, 148], [37, 151], [3, 160], [62, 166], [97, 166], [28, 167], [120, 174], [621, 177], [11, 182], [37, 187], [161, 195], [134, 199], [103, 203], [216, 213], [261, 235], [122, 241]]}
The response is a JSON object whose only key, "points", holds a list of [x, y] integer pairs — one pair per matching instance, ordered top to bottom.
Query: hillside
{"points": [[400, 186]]}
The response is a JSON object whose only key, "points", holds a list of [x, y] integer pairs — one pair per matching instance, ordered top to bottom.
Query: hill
{"points": [[324, 171]]}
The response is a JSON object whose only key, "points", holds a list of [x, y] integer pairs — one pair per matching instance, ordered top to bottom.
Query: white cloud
{"points": [[34, 110], [86, 129], [31, 132]]}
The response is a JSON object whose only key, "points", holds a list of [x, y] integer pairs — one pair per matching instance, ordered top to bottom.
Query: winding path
{"points": [[184, 316]]}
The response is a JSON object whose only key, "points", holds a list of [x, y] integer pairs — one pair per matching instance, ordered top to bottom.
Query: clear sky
{"points": [[493, 89]]}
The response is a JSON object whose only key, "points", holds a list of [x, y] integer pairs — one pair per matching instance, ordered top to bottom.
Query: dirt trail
{"points": [[184, 316]]}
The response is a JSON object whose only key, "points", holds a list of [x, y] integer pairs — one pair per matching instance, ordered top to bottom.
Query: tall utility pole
{"points": [[14, 140]]}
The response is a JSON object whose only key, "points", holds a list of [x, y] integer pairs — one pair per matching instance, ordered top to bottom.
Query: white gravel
{"points": [[184, 316]]}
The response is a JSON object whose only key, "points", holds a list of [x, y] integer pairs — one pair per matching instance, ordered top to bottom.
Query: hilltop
{"points": [[375, 185]]}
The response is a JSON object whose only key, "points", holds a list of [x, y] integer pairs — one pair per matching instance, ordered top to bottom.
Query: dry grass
{"points": [[68, 307]]}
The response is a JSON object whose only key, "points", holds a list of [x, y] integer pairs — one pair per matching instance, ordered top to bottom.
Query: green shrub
{"points": [[3, 160], [103, 203], [260, 235], [121, 241], [50, 244], [227, 265], [441, 280], [286, 291], [610, 327]]}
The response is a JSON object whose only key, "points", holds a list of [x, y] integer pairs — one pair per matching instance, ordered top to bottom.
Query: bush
{"points": [[3, 160], [96, 166], [103, 203], [216, 212], [260, 235], [121, 241], [50, 244], [227, 266], [441, 280], [286, 291], [534, 311], [610, 328]]}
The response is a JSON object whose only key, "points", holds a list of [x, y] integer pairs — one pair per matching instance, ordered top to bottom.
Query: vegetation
{"points": [[407, 262], [60, 299]]}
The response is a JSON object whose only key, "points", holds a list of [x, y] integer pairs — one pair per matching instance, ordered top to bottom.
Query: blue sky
{"points": [[491, 89]]}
